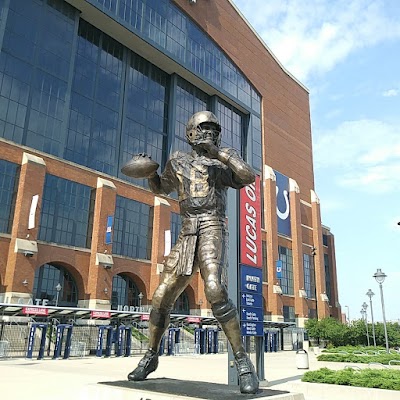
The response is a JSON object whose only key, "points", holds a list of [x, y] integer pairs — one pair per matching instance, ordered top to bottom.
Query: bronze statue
{"points": [[201, 179]]}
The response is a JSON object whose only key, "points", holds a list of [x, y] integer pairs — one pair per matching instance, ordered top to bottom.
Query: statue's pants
{"points": [[210, 257]]}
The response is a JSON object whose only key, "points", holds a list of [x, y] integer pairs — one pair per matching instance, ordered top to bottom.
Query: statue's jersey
{"points": [[201, 183]]}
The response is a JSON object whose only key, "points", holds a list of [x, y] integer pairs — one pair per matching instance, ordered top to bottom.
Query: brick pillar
{"points": [[161, 224], [21, 265], [100, 266], [274, 301], [300, 301], [322, 306]]}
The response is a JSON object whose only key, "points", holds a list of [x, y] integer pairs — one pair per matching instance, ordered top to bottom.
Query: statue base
{"points": [[165, 388]]}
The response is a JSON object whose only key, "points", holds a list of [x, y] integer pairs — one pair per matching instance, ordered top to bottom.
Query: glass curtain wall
{"points": [[8, 183], [285, 255]]}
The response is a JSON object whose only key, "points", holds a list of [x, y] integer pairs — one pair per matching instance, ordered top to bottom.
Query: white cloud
{"points": [[313, 36], [391, 93], [365, 154]]}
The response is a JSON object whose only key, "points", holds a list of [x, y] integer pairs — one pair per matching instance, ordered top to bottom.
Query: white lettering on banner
{"points": [[251, 192], [251, 226], [252, 278], [251, 286]]}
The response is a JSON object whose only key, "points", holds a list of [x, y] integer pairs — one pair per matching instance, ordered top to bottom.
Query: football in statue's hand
{"points": [[140, 166]]}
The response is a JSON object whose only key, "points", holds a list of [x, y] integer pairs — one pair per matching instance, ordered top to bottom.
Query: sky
{"points": [[347, 53]]}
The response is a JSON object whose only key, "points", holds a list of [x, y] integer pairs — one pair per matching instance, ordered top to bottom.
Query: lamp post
{"points": [[380, 278], [58, 288], [370, 293], [140, 296], [364, 307], [348, 314]]}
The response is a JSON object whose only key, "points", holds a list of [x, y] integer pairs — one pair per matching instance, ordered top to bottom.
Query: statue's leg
{"points": [[212, 263], [163, 300]]}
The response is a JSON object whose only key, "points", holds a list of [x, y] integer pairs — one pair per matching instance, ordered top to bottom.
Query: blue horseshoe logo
{"points": [[285, 214]]}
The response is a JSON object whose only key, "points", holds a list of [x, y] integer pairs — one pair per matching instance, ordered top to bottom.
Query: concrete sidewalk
{"points": [[77, 378]]}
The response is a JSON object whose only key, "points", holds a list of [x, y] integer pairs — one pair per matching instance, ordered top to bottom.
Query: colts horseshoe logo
{"points": [[284, 214]]}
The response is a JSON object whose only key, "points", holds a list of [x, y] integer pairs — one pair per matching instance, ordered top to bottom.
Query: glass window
{"points": [[163, 24], [34, 70], [189, 100], [144, 114], [94, 122], [231, 122], [256, 143], [8, 194], [65, 212], [176, 224], [133, 229], [325, 240], [285, 255], [265, 261], [309, 275], [328, 281], [55, 284], [124, 292], [182, 305], [288, 314]]}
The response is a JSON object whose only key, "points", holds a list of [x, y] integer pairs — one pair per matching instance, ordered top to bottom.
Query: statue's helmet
{"points": [[203, 125]]}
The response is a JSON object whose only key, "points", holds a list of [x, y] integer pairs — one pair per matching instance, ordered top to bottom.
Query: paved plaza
{"points": [[78, 378]]}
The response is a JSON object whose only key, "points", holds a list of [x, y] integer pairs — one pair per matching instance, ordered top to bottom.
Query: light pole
{"points": [[380, 278], [58, 288], [370, 293], [140, 296], [364, 307], [348, 315]]}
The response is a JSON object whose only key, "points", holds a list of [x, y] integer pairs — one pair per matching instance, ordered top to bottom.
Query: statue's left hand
{"points": [[209, 147]]}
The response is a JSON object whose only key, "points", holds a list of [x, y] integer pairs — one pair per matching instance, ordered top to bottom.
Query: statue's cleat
{"points": [[147, 365], [248, 380]]}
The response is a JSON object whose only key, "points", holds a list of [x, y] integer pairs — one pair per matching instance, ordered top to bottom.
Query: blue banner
{"points": [[282, 204], [110, 219], [279, 269], [250, 279], [251, 300], [252, 329]]}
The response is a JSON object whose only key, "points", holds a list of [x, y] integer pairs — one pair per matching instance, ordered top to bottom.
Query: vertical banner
{"points": [[282, 204], [32, 211], [110, 219], [250, 225], [279, 269], [250, 285]]}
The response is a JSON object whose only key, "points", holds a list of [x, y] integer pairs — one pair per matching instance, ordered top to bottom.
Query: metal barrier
{"points": [[110, 333], [59, 339], [31, 340], [124, 341], [4, 346], [78, 349]]}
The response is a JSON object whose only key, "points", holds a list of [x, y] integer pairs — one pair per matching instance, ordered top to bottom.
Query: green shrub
{"points": [[355, 358], [371, 378]]}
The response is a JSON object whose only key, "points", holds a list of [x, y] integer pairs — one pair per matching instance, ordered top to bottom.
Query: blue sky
{"points": [[347, 53]]}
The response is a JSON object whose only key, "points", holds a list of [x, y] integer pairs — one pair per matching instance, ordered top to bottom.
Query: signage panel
{"points": [[282, 204], [110, 219], [250, 225], [279, 269], [250, 279], [251, 300], [35, 310], [100, 314], [251, 314], [194, 320], [252, 329]]}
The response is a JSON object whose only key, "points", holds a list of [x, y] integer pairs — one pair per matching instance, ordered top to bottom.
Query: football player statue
{"points": [[201, 179]]}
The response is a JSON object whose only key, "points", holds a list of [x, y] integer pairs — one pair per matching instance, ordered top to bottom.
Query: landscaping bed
{"points": [[370, 378]]}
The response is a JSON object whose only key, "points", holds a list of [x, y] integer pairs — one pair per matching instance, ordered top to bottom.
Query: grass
{"points": [[359, 358], [369, 378]]}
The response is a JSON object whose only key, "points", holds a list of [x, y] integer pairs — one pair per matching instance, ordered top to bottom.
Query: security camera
{"points": [[28, 253], [107, 266]]}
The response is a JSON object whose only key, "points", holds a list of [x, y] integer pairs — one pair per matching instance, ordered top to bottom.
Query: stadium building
{"points": [[84, 85]]}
